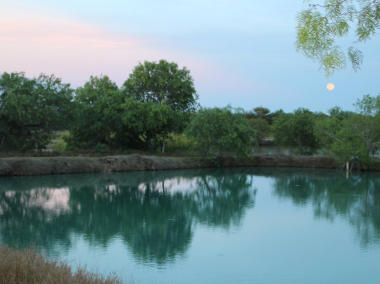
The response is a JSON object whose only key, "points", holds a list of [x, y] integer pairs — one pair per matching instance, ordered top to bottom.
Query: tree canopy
{"points": [[321, 25], [162, 82], [97, 106], [31, 109], [101, 117], [107, 119], [147, 124], [296, 129], [219, 131], [352, 136]]}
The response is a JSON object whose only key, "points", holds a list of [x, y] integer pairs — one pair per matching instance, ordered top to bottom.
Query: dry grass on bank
{"points": [[27, 267]]}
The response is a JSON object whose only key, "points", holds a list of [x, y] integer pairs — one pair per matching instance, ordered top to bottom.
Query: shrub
{"points": [[296, 129], [219, 132], [179, 142], [59, 146], [101, 148]]}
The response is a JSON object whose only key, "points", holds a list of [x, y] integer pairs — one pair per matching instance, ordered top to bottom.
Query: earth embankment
{"points": [[29, 166]]}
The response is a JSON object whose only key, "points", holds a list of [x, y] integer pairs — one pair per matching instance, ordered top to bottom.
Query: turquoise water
{"points": [[202, 226]]}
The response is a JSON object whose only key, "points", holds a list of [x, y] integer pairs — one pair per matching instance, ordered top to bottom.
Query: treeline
{"points": [[156, 99], [156, 109], [346, 135]]}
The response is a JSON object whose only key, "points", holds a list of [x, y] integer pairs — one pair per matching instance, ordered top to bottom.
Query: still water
{"points": [[248, 225]]}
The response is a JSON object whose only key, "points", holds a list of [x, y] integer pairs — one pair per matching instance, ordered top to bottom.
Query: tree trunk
{"points": [[163, 147]]}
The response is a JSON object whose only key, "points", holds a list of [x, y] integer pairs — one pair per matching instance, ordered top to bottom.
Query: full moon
{"points": [[330, 86]]}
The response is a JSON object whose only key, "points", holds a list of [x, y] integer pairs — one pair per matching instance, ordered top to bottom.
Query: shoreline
{"points": [[32, 166]]}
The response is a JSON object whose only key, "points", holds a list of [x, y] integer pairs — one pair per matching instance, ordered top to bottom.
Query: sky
{"points": [[239, 52]]}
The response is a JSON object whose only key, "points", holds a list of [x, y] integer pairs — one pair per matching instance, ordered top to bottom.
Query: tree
{"points": [[321, 25], [162, 82], [31, 109], [258, 112], [261, 112], [98, 114], [107, 119], [259, 119], [147, 124], [366, 125], [261, 126], [327, 128], [296, 129], [219, 131], [352, 136]]}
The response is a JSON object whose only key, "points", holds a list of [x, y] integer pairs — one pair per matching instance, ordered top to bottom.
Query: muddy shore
{"points": [[30, 166]]}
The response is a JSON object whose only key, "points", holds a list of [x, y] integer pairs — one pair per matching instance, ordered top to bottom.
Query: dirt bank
{"points": [[28, 166]]}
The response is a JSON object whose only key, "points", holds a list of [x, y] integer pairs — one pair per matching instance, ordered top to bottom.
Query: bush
{"points": [[261, 126], [296, 129], [219, 132], [352, 136], [179, 142], [59, 146], [101, 148], [27, 267]]}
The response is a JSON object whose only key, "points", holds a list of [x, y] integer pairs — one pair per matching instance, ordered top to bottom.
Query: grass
{"points": [[28, 267]]}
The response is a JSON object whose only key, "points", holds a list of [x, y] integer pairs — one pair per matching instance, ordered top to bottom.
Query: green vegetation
{"points": [[321, 25], [162, 82], [156, 100], [31, 109], [156, 110], [97, 113], [260, 120], [296, 129], [219, 131], [353, 135], [180, 143], [27, 267]]}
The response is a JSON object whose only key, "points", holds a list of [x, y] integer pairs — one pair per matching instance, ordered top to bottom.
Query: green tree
{"points": [[321, 25], [162, 82], [31, 109], [258, 112], [261, 112], [98, 114], [107, 119], [260, 119], [146, 124], [261, 126], [327, 127], [296, 129], [219, 131], [352, 135]]}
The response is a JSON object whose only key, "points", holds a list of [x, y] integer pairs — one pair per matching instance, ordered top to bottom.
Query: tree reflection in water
{"points": [[355, 199], [154, 213], [155, 218]]}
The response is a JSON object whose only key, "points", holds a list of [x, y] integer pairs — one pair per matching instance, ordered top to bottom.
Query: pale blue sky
{"points": [[240, 52]]}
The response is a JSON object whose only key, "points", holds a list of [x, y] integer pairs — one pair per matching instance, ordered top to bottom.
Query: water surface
{"points": [[246, 225]]}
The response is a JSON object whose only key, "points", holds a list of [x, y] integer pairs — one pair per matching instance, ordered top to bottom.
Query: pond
{"points": [[244, 225]]}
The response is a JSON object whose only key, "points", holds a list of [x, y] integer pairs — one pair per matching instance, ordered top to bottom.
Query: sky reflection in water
{"points": [[222, 226]]}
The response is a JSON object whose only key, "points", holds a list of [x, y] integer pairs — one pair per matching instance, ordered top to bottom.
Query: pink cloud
{"points": [[58, 32], [70, 49], [74, 50]]}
